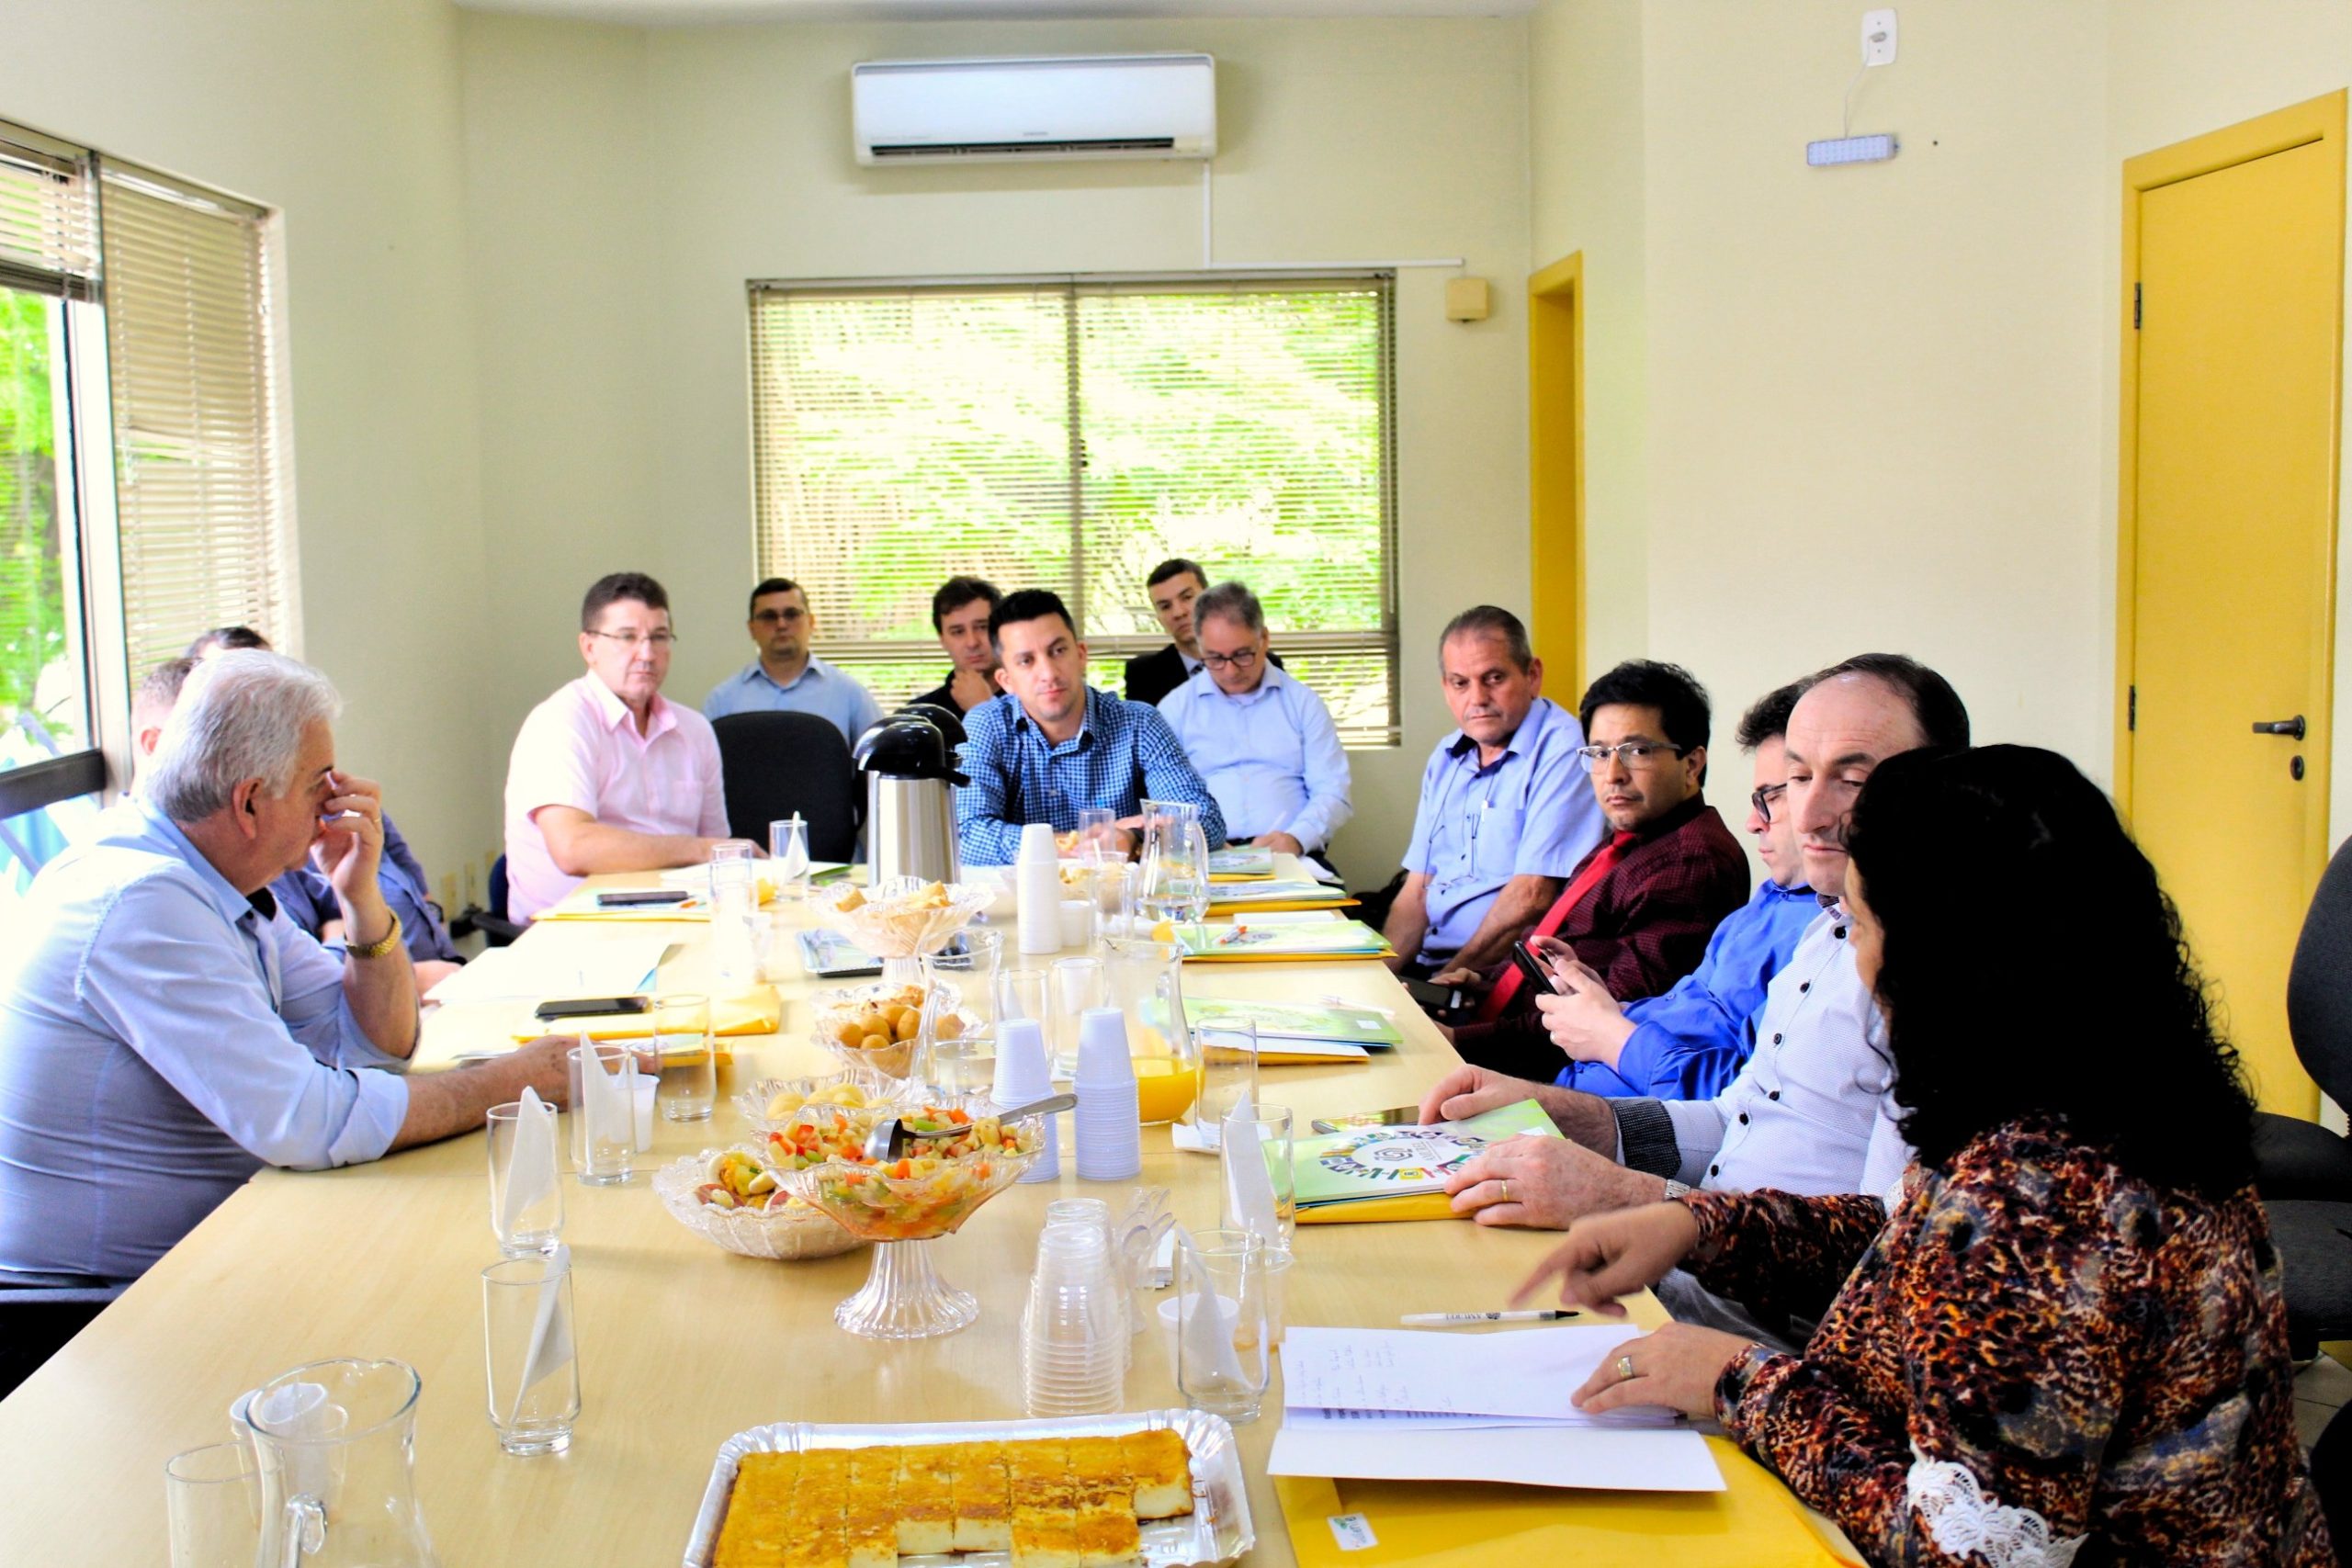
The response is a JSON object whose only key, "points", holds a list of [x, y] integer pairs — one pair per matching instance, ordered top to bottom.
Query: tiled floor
{"points": [[2320, 1390]]}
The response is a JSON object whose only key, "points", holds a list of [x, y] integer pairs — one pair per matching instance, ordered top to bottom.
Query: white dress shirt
{"points": [[1271, 756], [1802, 1114]]}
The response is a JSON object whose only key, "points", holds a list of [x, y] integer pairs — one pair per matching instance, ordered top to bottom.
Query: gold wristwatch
{"points": [[381, 945]]}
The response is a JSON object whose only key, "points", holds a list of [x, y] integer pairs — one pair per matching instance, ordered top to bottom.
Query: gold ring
{"points": [[1504, 1183], [1624, 1368]]}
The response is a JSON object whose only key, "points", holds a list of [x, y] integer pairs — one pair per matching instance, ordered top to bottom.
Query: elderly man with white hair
{"points": [[165, 1030]]}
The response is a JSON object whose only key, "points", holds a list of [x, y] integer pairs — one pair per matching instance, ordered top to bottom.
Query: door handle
{"points": [[2293, 727]]}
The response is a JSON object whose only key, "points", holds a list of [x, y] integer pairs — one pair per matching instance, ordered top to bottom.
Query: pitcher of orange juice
{"points": [[1141, 977]]}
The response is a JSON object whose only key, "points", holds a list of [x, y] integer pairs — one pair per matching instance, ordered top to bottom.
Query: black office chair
{"points": [[778, 763], [496, 930], [2302, 1170], [39, 1316]]}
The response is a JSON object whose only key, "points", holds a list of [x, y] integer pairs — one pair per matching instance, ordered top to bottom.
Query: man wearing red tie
{"points": [[1638, 910]]}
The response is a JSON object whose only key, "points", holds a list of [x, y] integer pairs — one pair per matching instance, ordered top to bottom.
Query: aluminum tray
{"points": [[1216, 1531]]}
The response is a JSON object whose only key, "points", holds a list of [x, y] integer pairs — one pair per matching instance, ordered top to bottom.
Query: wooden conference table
{"points": [[679, 1344]]}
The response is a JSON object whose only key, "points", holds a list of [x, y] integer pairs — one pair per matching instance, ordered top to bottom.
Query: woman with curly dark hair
{"points": [[2067, 1335]]}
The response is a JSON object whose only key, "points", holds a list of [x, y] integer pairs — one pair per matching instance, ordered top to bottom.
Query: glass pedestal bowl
{"points": [[900, 921], [901, 1208]]}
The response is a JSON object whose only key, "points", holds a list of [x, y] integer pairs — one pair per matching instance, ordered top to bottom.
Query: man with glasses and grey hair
{"points": [[1265, 744], [608, 774], [165, 1030]]}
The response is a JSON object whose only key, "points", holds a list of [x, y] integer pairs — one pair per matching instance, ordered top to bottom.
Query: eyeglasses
{"points": [[770, 617], [660, 642], [1244, 660], [1636, 753], [1762, 799]]}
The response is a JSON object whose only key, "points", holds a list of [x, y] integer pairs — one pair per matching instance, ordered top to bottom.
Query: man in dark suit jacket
{"points": [[1173, 585]]}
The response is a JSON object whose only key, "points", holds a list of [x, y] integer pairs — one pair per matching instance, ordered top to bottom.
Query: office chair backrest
{"points": [[778, 763], [2319, 985]]}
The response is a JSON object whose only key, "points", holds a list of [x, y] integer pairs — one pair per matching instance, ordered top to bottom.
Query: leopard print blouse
{"points": [[2035, 1360]]}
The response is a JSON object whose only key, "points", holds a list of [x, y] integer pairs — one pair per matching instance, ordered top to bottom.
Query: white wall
{"points": [[344, 116], [1343, 141]]}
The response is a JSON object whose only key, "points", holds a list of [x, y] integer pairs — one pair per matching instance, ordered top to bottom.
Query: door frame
{"points": [[2320, 121], [1555, 468]]}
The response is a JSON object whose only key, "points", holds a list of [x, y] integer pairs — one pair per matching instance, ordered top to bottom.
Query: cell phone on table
{"points": [[629, 897], [1532, 969], [1435, 999], [593, 1007], [1394, 1116]]}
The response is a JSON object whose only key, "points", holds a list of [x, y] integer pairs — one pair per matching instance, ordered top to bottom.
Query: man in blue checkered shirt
{"points": [[1052, 745]]}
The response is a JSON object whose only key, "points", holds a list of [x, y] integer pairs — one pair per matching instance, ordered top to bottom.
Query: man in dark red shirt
{"points": [[1639, 908]]}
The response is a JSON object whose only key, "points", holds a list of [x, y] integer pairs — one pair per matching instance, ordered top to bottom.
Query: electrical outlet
{"points": [[1878, 39]]}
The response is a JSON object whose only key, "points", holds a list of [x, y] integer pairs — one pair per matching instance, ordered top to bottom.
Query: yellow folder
{"points": [[1226, 911], [757, 1011], [1404, 1206], [1754, 1523]]}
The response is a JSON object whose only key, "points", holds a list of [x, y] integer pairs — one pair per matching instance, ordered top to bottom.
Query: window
{"points": [[1071, 433], [140, 460]]}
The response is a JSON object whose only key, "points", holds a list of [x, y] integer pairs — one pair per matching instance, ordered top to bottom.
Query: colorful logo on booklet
{"points": [[1400, 1154]]}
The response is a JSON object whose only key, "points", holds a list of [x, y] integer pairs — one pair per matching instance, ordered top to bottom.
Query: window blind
{"points": [[48, 236], [195, 420], [1070, 433]]}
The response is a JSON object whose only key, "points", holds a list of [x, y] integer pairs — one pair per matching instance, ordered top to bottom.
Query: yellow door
{"points": [[2228, 527]]}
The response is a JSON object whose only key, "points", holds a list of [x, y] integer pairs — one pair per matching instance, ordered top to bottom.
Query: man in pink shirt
{"points": [[608, 775]]}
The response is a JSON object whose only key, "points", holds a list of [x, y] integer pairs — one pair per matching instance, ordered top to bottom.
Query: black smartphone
{"points": [[629, 897], [1533, 971], [1435, 999], [592, 1006], [1394, 1116]]}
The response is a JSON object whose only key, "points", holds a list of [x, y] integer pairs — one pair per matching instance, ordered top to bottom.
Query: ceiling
{"points": [[691, 13]]}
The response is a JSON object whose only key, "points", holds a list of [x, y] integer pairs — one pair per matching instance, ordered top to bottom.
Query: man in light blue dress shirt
{"points": [[787, 677], [1265, 744], [1506, 809], [165, 1030]]}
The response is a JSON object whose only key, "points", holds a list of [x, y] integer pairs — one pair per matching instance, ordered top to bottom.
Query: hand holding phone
{"points": [[1533, 971], [1435, 999]]}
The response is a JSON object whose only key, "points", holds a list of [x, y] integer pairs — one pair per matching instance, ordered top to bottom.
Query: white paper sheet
{"points": [[593, 964], [1529, 1373], [1613, 1460]]}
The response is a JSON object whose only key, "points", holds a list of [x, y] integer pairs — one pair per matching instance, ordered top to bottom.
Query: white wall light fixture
{"points": [[1878, 48]]}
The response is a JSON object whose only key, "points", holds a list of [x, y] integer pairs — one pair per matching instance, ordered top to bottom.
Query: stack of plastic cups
{"points": [[1023, 1074], [1109, 1115], [1119, 1306], [1073, 1333]]}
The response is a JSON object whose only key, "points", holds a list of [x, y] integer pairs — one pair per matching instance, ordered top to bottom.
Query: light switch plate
{"points": [[1877, 38]]}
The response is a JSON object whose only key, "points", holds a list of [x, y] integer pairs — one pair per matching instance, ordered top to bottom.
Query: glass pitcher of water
{"points": [[1175, 882], [337, 1442]]}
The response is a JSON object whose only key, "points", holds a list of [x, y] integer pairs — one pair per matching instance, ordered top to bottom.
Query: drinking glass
{"points": [[1095, 833], [789, 857], [1073, 984], [1023, 993], [960, 1012], [1228, 1057], [687, 1066], [603, 1112], [1262, 1133], [526, 1215], [1222, 1361], [530, 1363], [213, 1499]]}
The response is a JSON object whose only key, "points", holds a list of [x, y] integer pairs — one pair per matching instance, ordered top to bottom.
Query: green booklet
{"points": [[1241, 860], [1275, 892], [1286, 938], [1288, 1020], [1360, 1164]]}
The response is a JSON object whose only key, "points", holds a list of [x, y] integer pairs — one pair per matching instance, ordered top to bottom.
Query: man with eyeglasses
{"points": [[787, 677], [1263, 743], [608, 774], [1638, 910], [1690, 1043]]}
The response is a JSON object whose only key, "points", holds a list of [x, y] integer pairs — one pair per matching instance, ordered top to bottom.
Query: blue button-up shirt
{"points": [[820, 688], [1123, 755], [1271, 756], [1529, 813], [309, 900], [160, 1040], [1690, 1043]]}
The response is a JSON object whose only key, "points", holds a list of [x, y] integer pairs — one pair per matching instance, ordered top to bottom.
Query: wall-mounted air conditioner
{"points": [[1105, 106]]}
